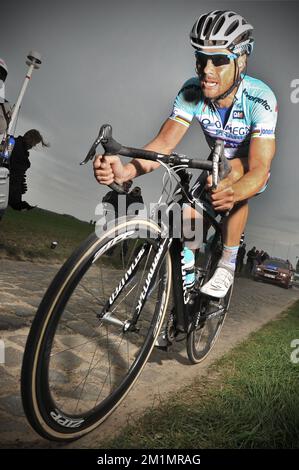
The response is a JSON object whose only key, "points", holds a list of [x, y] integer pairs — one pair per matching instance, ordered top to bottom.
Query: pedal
{"points": [[162, 342], [163, 348]]}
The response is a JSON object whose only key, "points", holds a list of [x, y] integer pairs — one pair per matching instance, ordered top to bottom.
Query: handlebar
{"points": [[217, 163]]}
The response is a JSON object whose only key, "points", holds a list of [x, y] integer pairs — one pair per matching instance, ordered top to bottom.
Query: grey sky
{"points": [[123, 63]]}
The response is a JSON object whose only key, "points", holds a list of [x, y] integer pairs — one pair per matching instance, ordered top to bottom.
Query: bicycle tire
{"points": [[203, 334], [47, 407]]}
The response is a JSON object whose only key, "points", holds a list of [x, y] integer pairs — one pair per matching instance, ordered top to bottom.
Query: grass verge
{"points": [[28, 235], [249, 399]]}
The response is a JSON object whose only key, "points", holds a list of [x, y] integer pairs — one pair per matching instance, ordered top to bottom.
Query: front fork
{"points": [[105, 315]]}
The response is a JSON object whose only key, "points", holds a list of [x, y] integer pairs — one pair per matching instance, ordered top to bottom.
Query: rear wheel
{"points": [[81, 359]]}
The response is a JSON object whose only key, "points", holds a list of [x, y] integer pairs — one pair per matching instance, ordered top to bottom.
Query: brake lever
{"points": [[104, 132], [216, 157], [219, 171]]}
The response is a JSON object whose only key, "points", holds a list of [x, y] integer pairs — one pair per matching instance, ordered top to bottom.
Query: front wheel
{"points": [[82, 357]]}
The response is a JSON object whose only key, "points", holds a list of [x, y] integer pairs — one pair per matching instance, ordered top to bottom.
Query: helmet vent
{"points": [[200, 23], [219, 25], [207, 28], [232, 28]]}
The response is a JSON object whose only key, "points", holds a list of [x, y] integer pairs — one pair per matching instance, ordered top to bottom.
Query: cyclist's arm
{"points": [[169, 136], [261, 153], [239, 166], [110, 169], [229, 193]]}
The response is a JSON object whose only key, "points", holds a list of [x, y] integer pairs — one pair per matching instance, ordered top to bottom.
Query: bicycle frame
{"points": [[163, 245]]}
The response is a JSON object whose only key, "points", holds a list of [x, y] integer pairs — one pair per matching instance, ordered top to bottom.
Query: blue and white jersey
{"points": [[252, 115]]}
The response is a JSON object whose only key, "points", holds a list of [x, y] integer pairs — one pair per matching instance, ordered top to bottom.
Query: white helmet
{"points": [[222, 30]]}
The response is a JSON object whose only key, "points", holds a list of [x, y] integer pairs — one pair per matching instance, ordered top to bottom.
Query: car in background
{"points": [[275, 270]]}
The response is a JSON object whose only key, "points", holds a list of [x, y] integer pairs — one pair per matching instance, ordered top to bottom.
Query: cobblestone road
{"points": [[22, 285]]}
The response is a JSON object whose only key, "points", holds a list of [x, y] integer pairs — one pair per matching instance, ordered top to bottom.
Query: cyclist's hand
{"points": [[108, 169], [223, 184], [222, 197]]}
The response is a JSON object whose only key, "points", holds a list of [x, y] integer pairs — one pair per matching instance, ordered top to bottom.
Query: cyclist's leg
{"points": [[234, 224], [192, 227], [233, 228]]}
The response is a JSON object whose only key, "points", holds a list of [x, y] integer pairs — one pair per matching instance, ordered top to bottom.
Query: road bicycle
{"points": [[101, 315]]}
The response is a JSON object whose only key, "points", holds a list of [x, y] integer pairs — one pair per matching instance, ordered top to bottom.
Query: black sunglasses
{"points": [[218, 59]]}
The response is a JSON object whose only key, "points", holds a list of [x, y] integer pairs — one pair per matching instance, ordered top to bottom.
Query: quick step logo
{"points": [[238, 114]]}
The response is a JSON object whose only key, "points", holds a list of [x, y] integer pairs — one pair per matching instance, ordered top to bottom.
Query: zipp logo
{"points": [[64, 421]]}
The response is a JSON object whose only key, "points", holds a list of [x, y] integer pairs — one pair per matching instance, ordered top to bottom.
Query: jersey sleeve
{"points": [[184, 106], [264, 114]]}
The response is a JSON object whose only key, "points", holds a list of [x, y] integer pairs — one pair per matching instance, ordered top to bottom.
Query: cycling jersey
{"points": [[252, 115]]}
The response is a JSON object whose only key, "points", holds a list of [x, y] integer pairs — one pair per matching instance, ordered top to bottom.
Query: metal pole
{"points": [[34, 61], [19, 100]]}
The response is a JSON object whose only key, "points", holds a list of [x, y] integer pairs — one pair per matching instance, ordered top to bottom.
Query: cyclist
{"points": [[229, 105]]}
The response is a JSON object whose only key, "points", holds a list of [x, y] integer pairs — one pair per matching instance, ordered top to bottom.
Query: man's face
{"points": [[215, 80]]}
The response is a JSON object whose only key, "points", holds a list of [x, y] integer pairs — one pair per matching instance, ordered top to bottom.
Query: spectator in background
{"points": [[19, 164], [135, 197], [113, 202], [116, 207], [251, 255], [264, 256], [259, 257], [240, 258], [256, 261]]}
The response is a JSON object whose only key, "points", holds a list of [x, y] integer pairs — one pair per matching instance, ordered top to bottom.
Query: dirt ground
{"points": [[22, 285]]}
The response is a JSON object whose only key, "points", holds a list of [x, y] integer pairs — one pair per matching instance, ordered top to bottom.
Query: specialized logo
{"points": [[258, 100], [238, 114], [127, 276], [149, 276]]}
